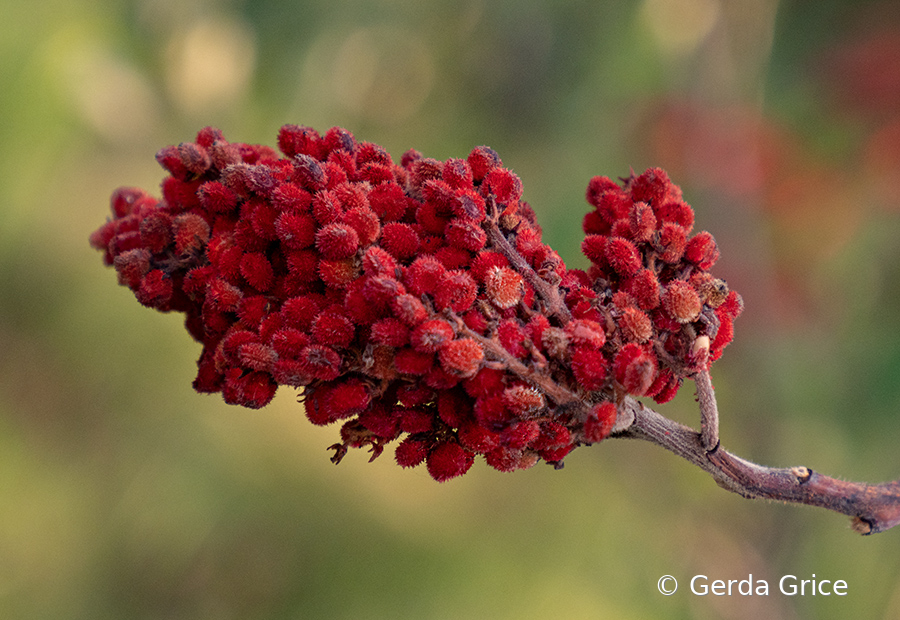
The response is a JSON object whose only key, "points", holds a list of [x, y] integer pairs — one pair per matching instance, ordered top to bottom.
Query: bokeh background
{"points": [[123, 494]]}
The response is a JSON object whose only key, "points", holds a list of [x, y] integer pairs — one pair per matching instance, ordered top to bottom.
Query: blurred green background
{"points": [[123, 494]]}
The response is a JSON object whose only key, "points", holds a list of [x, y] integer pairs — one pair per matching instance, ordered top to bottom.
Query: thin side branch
{"points": [[550, 294], [495, 351], [709, 411], [873, 507]]}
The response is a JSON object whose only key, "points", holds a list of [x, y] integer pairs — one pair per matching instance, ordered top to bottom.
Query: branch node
{"points": [[802, 474], [861, 526]]}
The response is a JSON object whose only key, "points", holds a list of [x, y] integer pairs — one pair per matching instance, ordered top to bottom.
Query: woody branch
{"points": [[873, 507]]}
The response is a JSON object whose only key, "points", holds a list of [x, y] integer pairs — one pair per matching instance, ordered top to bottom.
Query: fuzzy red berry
{"points": [[298, 140], [482, 160], [457, 173], [503, 185], [598, 186], [652, 186], [291, 198], [388, 201], [468, 205], [614, 205], [676, 212], [364, 221], [642, 222], [296, 230], [156, 232], [191, 232], [466, 234], [400, 240], [336, 241], [671, 242], [594, 247], [702, 250], [453, 258], [378, 262], [484, 262], [131, 266], [257, 271], [338, 273], [424, 275], [504, 287], [644, 287], [155, 289], [456, 290], [380, 291], [223, 296], [682, 302], [732, 307], [408, 309], [635, 325], [333, 330], [390, 332], [584, 332], [431, 336], [512, 336], [289, 342], [462, 357], [408, 361], [320, 362], [589, 367], [635, 369], [485, 382], [253, 390], [523, 400], [600, 422], [519, 435], [553, 437], [478, 439], [411, 452], [507, 459], [448, 460]]}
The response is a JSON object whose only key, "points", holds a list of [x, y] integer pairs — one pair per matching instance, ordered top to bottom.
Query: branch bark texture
{"points": [[873, 507]]}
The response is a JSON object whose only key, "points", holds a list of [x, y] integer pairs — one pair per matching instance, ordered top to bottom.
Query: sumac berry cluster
{"points": [[649, 283], [416, 301]]}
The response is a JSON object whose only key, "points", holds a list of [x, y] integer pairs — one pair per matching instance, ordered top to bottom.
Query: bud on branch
{"points": [[416, 303]]}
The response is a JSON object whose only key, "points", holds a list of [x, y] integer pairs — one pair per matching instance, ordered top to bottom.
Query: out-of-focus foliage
{"points": [[125, 494]]}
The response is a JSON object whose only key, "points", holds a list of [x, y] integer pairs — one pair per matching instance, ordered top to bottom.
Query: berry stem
{"points": [[550, 294], [495, 351], [873, 507]]}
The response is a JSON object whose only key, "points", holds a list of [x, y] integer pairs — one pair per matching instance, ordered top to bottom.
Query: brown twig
{"points": [[551, 295], [495, 351], [873, 507]]}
